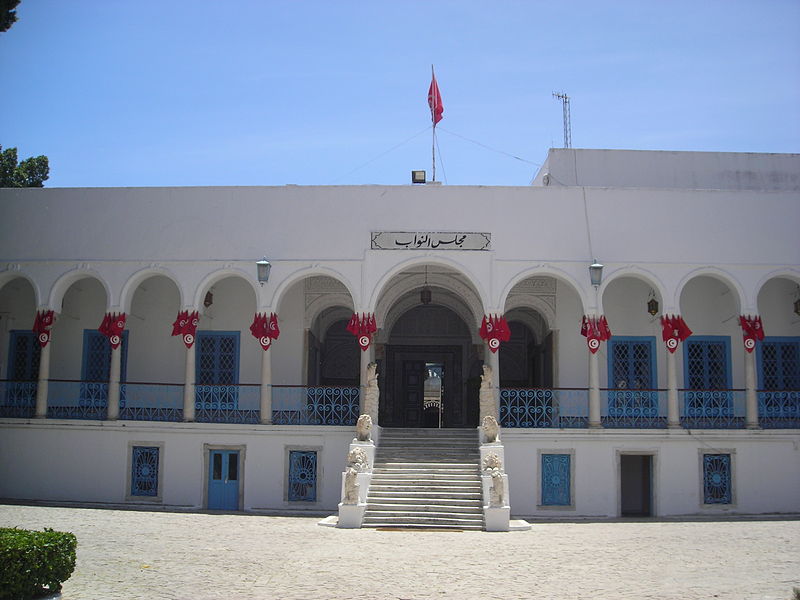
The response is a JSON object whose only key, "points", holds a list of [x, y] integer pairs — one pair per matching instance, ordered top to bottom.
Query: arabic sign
{"points": [[430, 240]]}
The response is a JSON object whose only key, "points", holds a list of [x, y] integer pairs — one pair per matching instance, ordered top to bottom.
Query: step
{"points": [[450, 503], [415, 521]]}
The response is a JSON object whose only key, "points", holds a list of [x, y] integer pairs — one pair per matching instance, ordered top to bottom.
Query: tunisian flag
{"points": [[435, 100]]}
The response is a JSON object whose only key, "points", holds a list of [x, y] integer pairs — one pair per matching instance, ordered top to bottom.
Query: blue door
{"points": [[223, 480]]}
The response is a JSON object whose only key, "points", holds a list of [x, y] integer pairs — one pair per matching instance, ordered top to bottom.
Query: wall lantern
{"points": [[263, 267], [596, 273], [425, 295], [652, 304]]}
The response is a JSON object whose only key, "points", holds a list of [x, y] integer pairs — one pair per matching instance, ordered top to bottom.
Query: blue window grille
{"points": [[707, 362], [96, 363], [217, 376], [779, 382], [19, 395], [632, 397], [144, 471], [302, 476], [555, 478], [717, 483]]}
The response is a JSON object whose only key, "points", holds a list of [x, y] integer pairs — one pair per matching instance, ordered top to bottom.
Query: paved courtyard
{"points": [[154, 555]]}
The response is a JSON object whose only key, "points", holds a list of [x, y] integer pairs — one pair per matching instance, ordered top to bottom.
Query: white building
{"points": [[631, 429]]}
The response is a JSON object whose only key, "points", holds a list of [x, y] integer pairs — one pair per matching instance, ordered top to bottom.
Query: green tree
{"points": [[8, 16], [31, 172]]}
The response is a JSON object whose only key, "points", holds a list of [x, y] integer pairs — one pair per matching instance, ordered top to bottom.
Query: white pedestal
{"points": [[368, 448], [493, 448], [351, 515], [496, 518]]}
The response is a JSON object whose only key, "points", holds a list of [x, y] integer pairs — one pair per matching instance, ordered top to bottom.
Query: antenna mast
{"points": [[567, 125]]}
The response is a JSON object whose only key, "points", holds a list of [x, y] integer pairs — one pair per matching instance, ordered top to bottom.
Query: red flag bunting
{"points": [[435, 100], [185, 325], [41, 326], [363, 326], [112, 327], [265, 329], [494, 329], [595, 330], [674, 330], [752, 331]]}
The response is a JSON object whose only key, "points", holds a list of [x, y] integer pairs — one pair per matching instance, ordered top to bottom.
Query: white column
{"points": [[366, 358], [494, 363], [42, 383], [113, 383], [188, 385], [266, 387], [594, 390], [751, 399], [673, 406]]}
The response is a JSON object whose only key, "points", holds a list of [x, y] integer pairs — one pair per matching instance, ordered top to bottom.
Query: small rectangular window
{"points": [[233, 466], [217, 468], [144, 471], [302, 476], [717, 483], [556, 484]]}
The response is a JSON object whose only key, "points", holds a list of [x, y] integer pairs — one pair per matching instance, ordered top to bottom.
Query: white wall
{"points": [[88, 462], [766, 470]]}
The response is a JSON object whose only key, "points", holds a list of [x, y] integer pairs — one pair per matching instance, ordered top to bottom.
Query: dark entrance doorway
{"points": [[427, 363], [636, 485]]}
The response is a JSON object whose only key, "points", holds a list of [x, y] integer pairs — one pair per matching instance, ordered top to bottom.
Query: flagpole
{"points": [[433, 136]]}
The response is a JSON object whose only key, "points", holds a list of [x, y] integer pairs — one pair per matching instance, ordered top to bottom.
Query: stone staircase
{"points": [[426, 478]]}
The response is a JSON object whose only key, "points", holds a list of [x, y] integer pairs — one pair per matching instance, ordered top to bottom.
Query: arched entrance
{"points": [[431, 371]]}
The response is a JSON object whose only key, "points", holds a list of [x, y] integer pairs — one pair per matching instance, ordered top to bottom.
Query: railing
{"points": [[18, 399], [68, 399], [151, 401], [228, 403], [314, 405], [539, 407], [635, 409], [712, 409], [779, 409]]}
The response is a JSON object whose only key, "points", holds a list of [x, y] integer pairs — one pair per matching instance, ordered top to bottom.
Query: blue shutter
{"points": [[23, 356], [217, 358], [96, 364], [632, 364]]}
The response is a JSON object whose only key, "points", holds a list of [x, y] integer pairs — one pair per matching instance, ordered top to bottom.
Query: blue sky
{"points": [[245, 92]]}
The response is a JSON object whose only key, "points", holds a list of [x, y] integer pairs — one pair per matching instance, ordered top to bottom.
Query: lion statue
{"points": [[363, 428], [491, 429]]}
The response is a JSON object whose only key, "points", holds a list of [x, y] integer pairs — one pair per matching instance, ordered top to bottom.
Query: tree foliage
{"points": [[8, 16], [31, 172]]}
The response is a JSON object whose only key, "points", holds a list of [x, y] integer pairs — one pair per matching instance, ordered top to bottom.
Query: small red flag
{"points": [[435, 100], [352, 324], [683, 329], [274, 330]]}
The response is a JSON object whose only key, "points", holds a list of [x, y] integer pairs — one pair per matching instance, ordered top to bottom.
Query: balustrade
{"points": [[18, 399], [69, 399], [151, 402], [227, 403], [314, 405], [549, 408], [635, 409], [713, 409], [779, 409]]}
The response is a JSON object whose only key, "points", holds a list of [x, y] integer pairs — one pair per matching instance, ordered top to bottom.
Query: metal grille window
{"points": [[23, 356], [217, 358], [96, 363], [707, 363], [779, 364], [632, 365], [144, 471], [302, 476], [555, 478], [717, 483]]}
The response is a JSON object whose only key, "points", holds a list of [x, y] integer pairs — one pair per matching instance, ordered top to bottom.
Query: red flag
{"points": [[435, 100], [180, 322], [353, 324], [104, 325], [757, 325], [41, 326], [255, 326], [584, 326], [666, 327], [683, 329], [274, 330], [484, 330], [605, 330], [503, 331], [749, 332], [593, 336]]}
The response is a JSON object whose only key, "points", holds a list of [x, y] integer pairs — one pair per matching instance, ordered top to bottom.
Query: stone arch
{"points": [[311, 271], [545, 271], [716, 273], [790, 274], [218, 275], [643, 275], [7, 277], [135, 280], [63, 283], [394, 289], [324, 303], [404, 304]]}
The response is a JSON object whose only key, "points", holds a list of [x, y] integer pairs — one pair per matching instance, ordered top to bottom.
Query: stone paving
{"points": [[155, 555]]}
